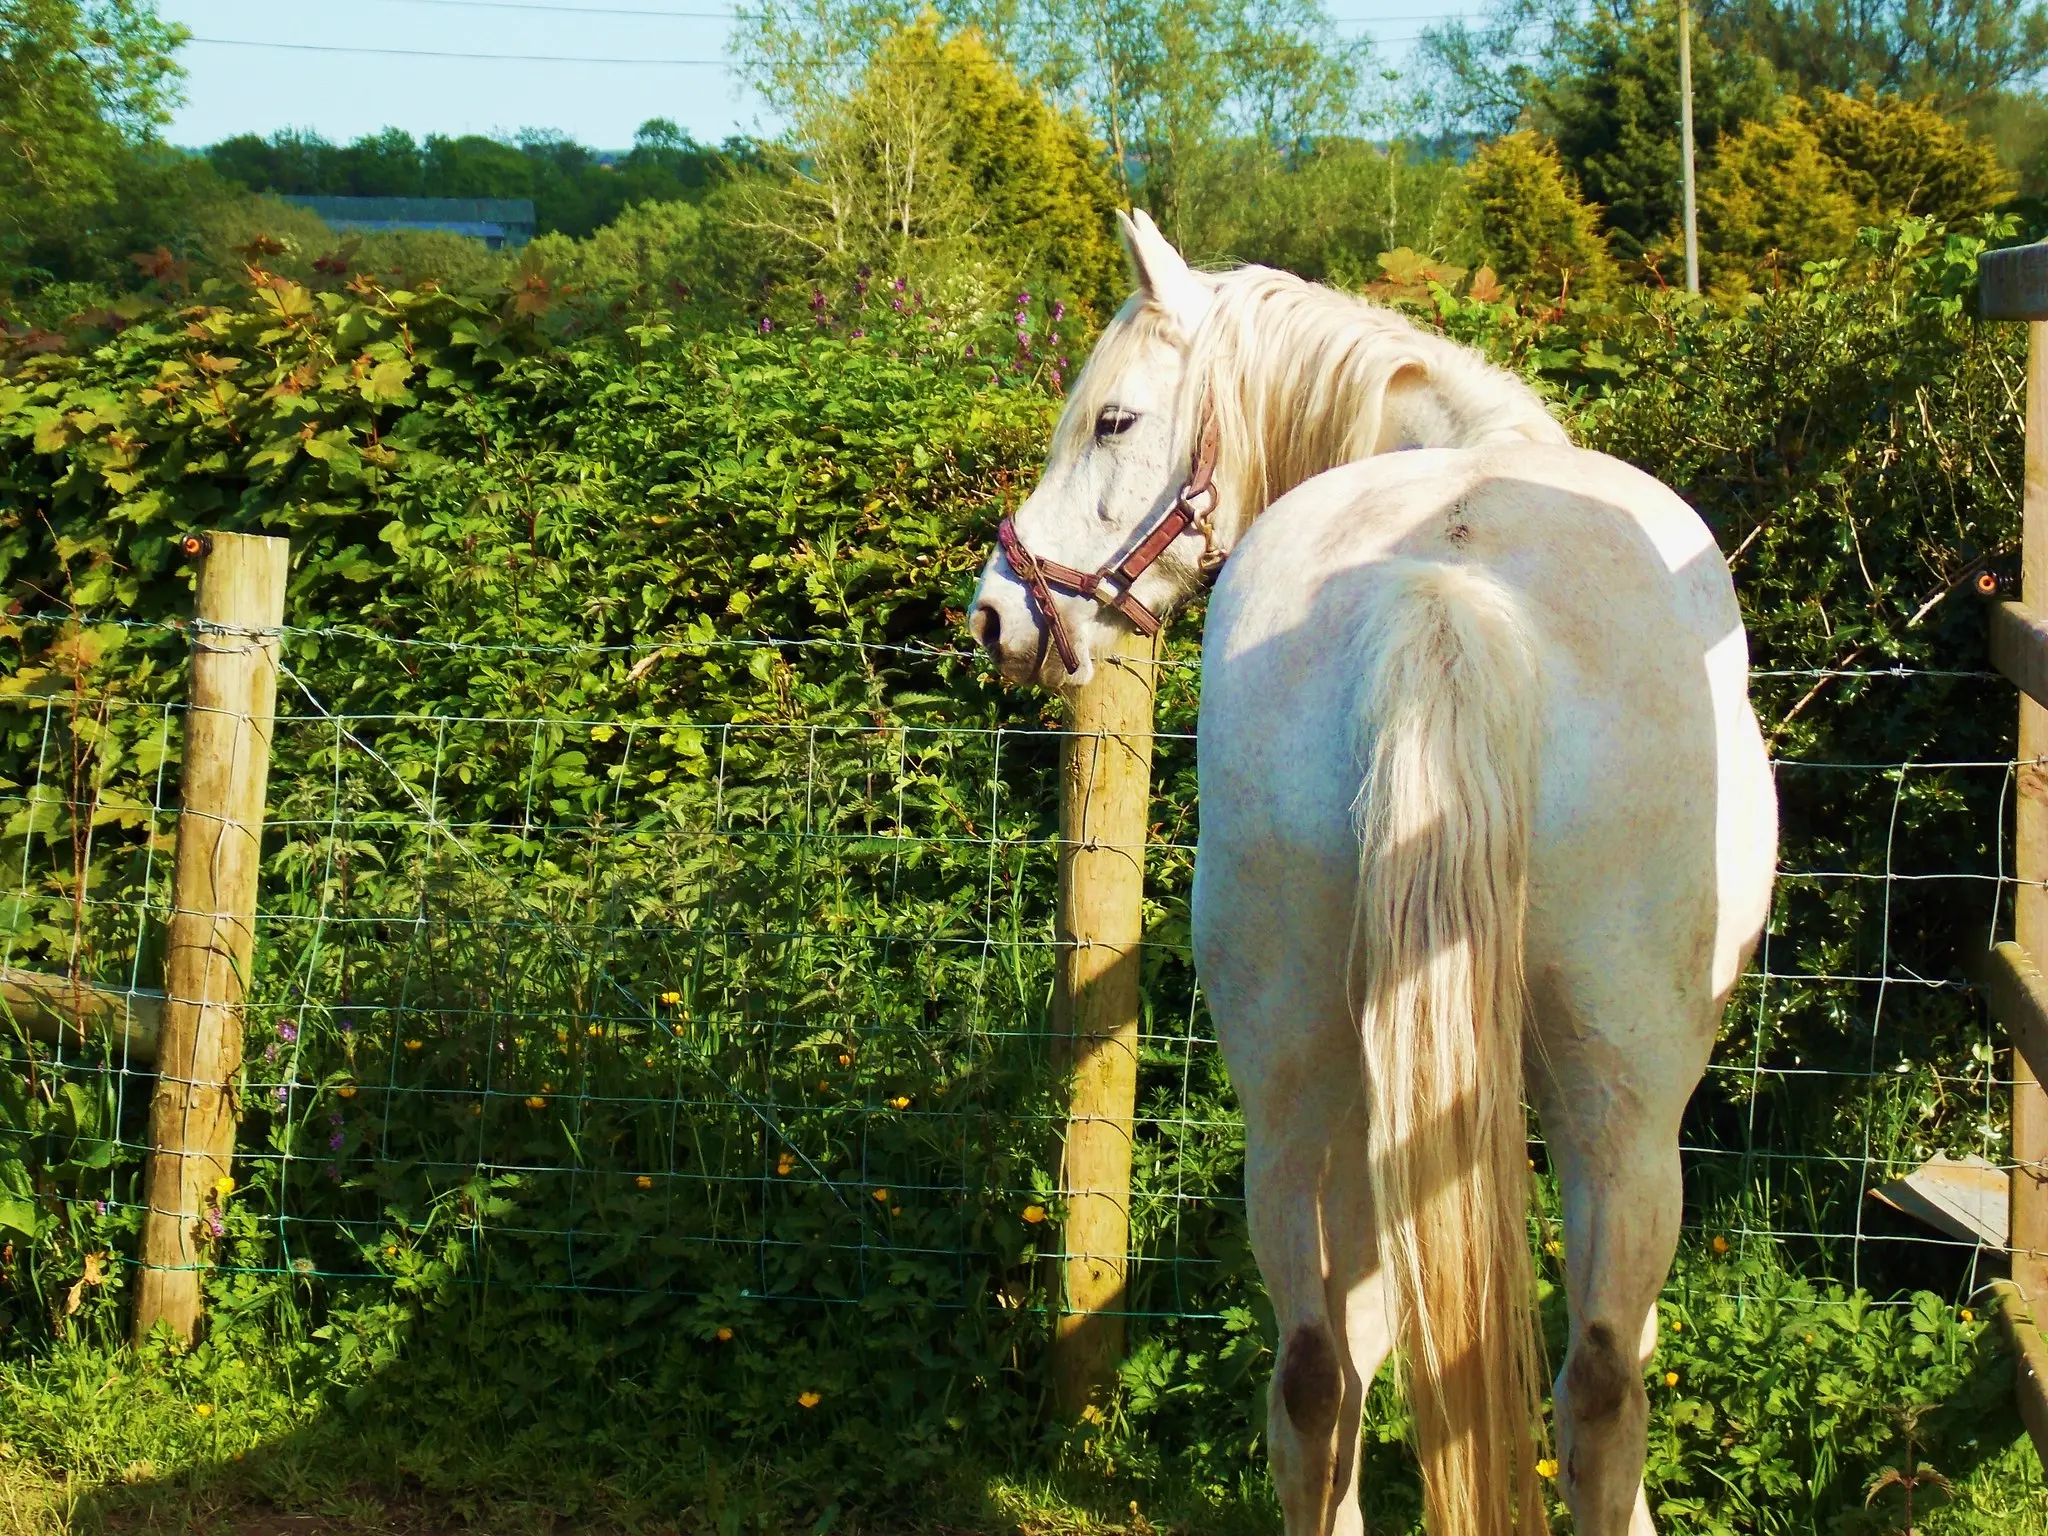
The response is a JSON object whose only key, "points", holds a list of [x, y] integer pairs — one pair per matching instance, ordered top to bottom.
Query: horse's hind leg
{"points": [[1620, 1182], [1311, 1226]]}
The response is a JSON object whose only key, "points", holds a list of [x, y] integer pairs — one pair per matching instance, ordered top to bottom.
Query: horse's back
{"points": [[1654, 831]]}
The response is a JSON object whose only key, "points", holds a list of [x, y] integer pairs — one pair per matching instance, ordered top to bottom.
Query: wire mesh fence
{"points": [[682, 1009]]}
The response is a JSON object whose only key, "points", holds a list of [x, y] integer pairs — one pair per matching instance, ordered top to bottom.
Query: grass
{"points": [[110, 1441]]}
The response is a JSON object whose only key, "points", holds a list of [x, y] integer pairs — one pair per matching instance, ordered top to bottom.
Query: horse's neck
{"points": [[1460, 401]]}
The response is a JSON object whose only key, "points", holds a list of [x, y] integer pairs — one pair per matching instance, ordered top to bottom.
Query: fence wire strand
{"points": [[655, 1005]]}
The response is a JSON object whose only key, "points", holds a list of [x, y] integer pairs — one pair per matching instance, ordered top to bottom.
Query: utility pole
{"points": [[1692, 222]]}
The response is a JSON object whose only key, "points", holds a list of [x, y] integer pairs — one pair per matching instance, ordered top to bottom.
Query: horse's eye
{"points": [[1114, 421]]}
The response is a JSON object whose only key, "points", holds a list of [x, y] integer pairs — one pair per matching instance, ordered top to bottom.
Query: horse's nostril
{"points": [[987, 627]]}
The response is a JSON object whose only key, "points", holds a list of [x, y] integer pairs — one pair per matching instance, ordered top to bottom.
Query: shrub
{"points": [[1797, 188], [1773, 197], [1539, 233]]}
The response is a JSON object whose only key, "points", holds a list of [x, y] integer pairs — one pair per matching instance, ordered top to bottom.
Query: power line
{"points": [[541, 7], [580, 10], [451, 53]]}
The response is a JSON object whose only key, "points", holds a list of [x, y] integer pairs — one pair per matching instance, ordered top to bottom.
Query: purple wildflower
{"points": [[900, 285], [897, 305], [1059, 310], [767, 325], [859, 332], [1055, 378], [348, 1024], [287, 1033], [270, 1053], [280, 1093], [335, 1141], [99, 1207], [215, 1225]]}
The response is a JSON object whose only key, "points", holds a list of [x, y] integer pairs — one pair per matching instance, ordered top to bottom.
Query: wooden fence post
{"points": [[2013, 285], [1105, 802], [213, 915], [2029, 1212]]}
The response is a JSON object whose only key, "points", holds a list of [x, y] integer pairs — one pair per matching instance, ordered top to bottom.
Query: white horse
{"points": [[1478, 769]]}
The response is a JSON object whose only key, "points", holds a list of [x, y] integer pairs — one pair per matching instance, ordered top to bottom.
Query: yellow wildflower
{"points": [[671, 998], [595, 1031], [413, 1045], [845, 1060], [346, 1090], [535, 1101], [899, 1102], [476, 1109], [643, 1182], [225, 1186], [881, 1197], [1034, 1214], [1720, 1245], [1554, 1248], [391, 1250], [1968, 1316], [1678, 1325], [724, 1335], [1671, 1378], [809, 1399], [204, 1410], [1547, 1467]]}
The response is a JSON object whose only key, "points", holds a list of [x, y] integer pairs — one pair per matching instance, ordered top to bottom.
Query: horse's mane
{"points": [[1296, 376]]}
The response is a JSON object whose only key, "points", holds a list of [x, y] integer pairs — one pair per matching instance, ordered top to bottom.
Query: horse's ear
{"points": [[1163, 276]]}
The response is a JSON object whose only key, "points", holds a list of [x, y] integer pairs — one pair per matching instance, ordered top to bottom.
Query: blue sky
{"points": [[594, 69]]}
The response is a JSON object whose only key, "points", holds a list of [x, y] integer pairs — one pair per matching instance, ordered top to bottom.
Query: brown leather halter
{"points": [[1110, 584]]}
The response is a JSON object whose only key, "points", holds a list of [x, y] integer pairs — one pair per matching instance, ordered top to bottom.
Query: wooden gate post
{"points": [[1105, 803], [213, 915]]}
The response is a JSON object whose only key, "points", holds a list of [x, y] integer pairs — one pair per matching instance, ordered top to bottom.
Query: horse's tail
{"points": [[1443, 823]]}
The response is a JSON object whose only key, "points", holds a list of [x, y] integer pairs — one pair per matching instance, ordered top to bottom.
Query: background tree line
{"points": [[983, 144]]}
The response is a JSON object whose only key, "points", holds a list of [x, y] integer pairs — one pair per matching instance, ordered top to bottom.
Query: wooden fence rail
{"points": [[2013, 285]]}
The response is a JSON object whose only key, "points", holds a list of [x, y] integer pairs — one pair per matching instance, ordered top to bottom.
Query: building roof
{"points": [[510, 211]]}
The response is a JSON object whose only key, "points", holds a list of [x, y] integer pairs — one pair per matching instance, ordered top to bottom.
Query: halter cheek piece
{"points": [[1110, 584]]}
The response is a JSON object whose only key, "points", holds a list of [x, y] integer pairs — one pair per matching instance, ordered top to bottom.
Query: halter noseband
{"points": [[1110, 584]]}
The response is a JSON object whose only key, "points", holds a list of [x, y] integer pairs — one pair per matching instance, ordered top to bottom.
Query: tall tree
{"points": [[1956, 51], [84, 84], [1175, 90], [1610, 101], [940, 161]]}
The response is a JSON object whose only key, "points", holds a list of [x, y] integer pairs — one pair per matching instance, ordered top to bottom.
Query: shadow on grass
{"points": [[442, 1441]]}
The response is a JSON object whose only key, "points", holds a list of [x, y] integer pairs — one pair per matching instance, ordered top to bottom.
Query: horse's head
{"points": [[1085, 552]]}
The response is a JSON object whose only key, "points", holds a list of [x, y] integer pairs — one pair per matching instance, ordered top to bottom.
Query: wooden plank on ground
{"points": [[2013, 284], [2018, 638], [2018, 994], [59, 1011], [2031, 1352]]}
